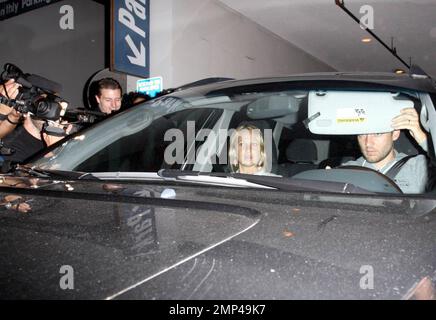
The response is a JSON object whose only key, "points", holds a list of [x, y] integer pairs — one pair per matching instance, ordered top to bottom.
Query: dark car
{"points": [[159, 201]]}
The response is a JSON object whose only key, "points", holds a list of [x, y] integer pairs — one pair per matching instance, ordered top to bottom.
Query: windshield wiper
{"points": [[52, 174], [173, 174], [220, 178], [216, 179], [261, 181]]}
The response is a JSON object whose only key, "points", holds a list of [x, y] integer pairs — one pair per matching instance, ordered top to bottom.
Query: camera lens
{"points": [[42, 107], [47, 109]]}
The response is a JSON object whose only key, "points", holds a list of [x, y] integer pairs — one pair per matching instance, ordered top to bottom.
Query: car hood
{"points": [[162, 240]]}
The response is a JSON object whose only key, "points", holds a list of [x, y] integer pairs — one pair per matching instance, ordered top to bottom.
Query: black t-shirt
{"points": [[23, 144]]}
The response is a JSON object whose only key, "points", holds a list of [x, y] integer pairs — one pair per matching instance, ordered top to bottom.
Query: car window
{"points": [[175, 131], [300, 150], [144, 151]]}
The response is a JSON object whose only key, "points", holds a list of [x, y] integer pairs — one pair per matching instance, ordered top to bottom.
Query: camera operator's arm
{"points": [[12, 88], [9, 90], [10, 123]]}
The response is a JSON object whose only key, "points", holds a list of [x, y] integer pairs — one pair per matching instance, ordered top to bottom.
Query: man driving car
{"points": [[378, 153]]}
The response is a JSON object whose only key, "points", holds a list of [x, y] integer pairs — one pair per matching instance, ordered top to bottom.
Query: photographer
{"points": [[36, 99], [9, 117], [30, 138]]}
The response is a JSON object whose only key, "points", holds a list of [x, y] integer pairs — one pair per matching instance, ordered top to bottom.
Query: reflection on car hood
{"points": [[168, 241]]}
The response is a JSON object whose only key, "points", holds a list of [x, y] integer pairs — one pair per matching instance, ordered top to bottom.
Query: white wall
{"points": [[195, 39], [189, 40]]}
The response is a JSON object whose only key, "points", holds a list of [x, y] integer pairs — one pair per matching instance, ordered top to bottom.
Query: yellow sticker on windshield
{"points": [[350, 115], [354, 120]]}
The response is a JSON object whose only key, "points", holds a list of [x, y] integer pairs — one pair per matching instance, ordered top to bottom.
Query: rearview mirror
{"points": [[272, 107]]}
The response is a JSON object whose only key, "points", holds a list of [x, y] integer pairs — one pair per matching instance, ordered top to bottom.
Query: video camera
{"points": [[36, 94], [82, 116]]}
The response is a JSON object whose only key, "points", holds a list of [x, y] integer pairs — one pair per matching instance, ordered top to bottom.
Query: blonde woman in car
{"points": [[247, 152]]}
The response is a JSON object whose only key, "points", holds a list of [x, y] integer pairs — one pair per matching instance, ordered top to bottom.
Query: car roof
{"points": [[367, 80]]}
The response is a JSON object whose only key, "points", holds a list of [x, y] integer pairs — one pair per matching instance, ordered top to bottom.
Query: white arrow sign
{"points": [[139, 55]]}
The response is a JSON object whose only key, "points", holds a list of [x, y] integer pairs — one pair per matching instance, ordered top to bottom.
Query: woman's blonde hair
{"points": [[234, 144]]}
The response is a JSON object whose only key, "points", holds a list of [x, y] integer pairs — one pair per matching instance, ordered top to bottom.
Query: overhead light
{"points": [[366, 40], [399, 71]]}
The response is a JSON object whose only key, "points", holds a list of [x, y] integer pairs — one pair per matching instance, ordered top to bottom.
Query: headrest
{"points": [[261, 124], [302, 150]]}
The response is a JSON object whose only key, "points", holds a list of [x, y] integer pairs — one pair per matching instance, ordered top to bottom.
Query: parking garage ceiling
{"points": [[325, 31]]}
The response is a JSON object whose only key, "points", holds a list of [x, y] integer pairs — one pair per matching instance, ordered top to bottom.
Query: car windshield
{"points": [[322, 137]]}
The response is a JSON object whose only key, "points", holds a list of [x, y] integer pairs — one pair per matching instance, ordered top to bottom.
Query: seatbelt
{"points": [[393, 171]]}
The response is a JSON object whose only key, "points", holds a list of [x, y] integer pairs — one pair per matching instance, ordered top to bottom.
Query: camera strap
{"points": [[6, 90]]}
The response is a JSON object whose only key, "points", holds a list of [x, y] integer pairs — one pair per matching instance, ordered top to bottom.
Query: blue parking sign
{"points": [[130, 34]]}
